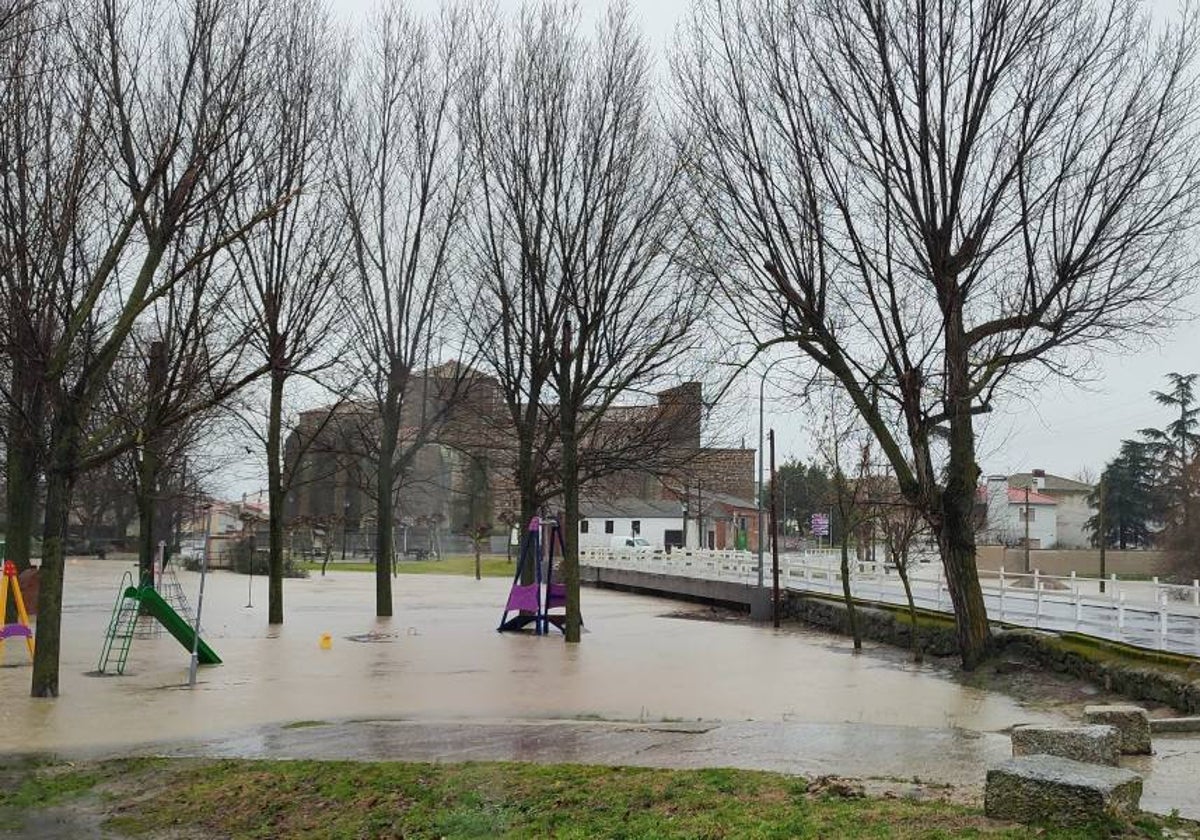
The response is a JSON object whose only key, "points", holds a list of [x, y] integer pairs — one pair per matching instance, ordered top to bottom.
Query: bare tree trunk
{"points": [[59, 480], [384, 492], [146, 497], [275, 499], [955, 527], [570, 531], [956, 539], [902, 569], [846, 596]]}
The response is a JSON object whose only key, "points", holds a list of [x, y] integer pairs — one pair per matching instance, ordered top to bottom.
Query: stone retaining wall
{"points": [[876, 624], [1178, 691]]}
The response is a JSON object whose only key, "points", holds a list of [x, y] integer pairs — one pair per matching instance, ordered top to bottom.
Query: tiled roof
{"points": [[1050, 483], [1016, 496], [631, 508]]}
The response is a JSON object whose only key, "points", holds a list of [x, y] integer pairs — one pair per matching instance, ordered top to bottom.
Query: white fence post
{"points": [[1001, 593], [1196, 593], [939, 594], [1037, 603], [1078, 606], [1121, 616], [1162, 621]]}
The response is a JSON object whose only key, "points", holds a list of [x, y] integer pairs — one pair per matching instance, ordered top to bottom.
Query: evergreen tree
{"points": [[1173, 449], [804, 489], [1129, 498]]}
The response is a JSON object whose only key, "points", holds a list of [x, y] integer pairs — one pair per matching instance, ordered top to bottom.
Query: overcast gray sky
{"points": [[1062, 427]]}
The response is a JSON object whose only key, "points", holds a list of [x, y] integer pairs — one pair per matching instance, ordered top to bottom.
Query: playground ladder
{"points": [[168, 586], [172, 592], [121, 628]]}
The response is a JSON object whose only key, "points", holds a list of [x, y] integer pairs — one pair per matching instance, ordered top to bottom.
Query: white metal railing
{"points": [[1145, 613]]}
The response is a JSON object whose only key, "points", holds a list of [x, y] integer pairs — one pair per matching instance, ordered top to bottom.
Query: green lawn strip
{"points": [[452, 564], [26, 784], [299, 799]]}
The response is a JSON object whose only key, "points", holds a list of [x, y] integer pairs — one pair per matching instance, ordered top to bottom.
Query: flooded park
{"points": [[652, 684]]}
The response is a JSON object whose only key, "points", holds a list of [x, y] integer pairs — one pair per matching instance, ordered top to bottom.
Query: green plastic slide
{"points": [[176, 626]]}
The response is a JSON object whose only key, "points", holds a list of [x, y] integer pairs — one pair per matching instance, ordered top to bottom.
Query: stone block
{"points": [[1131, 721], [1180, 724], [1091, 743], [1059, 791]]}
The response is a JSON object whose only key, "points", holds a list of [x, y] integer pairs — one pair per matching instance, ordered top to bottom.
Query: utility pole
{"points": [[1027, 529], [1102, 530], [774, 536]]}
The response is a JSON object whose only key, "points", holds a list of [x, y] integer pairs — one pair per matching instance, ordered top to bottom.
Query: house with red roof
{"points": [[1011, 515]]}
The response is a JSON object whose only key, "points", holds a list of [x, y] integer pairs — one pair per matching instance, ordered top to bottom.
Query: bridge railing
{"points": [[1146, 613]]}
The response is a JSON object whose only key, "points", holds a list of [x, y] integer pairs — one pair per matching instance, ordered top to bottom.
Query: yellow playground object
{"points": [[21, 628]]}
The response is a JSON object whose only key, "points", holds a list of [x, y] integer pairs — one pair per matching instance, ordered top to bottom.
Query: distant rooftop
{"points": [[1051, 483], [1016, 496], [631, 508]]}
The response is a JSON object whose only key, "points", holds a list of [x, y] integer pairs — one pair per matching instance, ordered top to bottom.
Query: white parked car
{"points": [[631, 544], [191, 549]]}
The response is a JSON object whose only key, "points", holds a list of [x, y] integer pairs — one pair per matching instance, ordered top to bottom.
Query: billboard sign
{"points": [[820, 524]]}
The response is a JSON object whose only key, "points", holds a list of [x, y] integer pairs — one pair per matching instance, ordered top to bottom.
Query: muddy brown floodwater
{"points": [[436, 682]]}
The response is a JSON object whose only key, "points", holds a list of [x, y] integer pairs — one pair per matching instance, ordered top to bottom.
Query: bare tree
{"points": [[153, 106], [516, 120], [40, 171], [404, 182], [937, 202], [579, 239], [291, 268], [186, 357], [850, 491], [900, 524]]}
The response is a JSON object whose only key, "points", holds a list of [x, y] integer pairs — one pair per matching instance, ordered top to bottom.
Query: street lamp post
{"points": [[762, 384], [345, 525], [1026, 530], [199, 602]]}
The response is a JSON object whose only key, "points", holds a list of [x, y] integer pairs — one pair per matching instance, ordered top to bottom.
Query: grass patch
{"points": [[451, 564], [33, 783], [40, 786], [307, 799]]}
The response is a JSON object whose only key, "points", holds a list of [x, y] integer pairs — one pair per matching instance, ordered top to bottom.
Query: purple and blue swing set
{"points": [[532, 603]]}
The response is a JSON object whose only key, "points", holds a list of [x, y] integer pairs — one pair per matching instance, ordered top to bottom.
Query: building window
{"points": [[1029, 514], [583, 526], [608, 526], [637, 527]]}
